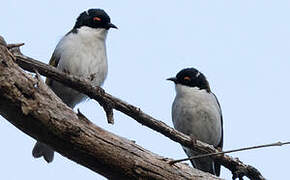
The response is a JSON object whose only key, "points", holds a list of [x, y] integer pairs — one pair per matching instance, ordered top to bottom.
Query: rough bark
{"points": [[31, 106]]}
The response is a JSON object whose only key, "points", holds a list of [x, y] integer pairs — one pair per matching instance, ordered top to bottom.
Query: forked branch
{"points": [[238, 168]]}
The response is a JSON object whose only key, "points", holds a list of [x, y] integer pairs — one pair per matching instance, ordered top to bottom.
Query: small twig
{"points": [[10, 46], [109, 113], [230, 151]]}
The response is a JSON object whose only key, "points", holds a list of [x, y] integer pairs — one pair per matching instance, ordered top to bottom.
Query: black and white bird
{"points": [[81, 52], [197, 113]]}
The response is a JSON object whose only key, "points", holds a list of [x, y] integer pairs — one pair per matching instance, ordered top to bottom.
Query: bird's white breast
{"points": [[81, 54], [84, 54], [196, 113]]}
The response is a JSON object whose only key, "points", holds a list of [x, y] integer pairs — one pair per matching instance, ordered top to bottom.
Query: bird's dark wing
{"points": [[54, 60], [217, 166]]}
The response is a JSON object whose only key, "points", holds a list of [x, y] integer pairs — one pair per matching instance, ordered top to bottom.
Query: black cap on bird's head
{"points": [[94, 18], [191, 77]]}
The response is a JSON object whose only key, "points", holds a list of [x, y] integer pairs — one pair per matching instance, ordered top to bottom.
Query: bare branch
{"points": [[31, 106], [237, 167]]}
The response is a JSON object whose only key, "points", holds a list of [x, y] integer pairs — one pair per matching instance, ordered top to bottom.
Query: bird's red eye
{"points": [[97, 19], [187, 78]]}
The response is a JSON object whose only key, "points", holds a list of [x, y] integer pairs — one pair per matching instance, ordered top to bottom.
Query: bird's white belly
{"points": [[198, 116]]}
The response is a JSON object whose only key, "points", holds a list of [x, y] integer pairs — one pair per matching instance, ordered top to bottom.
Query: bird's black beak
{"points": [[110, 25], [172, 79]]}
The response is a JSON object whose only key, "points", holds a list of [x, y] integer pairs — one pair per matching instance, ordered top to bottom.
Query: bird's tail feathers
{"points": [[44, 150]]}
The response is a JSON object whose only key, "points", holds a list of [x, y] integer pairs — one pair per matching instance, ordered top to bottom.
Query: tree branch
{"points": [[31, 106], [237, 168]]}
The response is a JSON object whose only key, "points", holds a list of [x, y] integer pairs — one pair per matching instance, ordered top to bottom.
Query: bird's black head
{"points": [[94, 18], [191, 77]]}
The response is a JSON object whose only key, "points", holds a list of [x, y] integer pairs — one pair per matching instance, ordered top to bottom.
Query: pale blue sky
{"points": [[241, 46]]}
